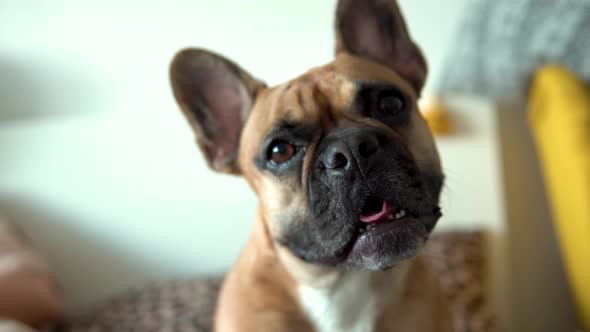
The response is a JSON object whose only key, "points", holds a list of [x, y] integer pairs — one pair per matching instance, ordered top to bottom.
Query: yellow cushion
{"points": [[559, 116]]}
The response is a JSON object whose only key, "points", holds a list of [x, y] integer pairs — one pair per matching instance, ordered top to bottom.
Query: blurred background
{"points": [[99, 168]]}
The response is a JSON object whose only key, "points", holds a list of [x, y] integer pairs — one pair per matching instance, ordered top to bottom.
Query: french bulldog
{"points": [[348, 178]]}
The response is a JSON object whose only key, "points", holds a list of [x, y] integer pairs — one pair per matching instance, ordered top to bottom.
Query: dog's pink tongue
{"points": [[385, 210]]}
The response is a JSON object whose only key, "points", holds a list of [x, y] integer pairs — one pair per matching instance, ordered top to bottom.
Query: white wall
{"points": [[96, 162]]}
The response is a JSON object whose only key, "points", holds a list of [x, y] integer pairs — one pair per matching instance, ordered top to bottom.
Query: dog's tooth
{"points": [[402, 213], [398, 215], [390, 216]]}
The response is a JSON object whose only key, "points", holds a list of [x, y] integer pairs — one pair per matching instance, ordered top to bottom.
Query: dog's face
{"points": [[345, 166]]}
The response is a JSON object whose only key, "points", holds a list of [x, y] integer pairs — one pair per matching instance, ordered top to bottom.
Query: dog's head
{"points": [[345, 166]]}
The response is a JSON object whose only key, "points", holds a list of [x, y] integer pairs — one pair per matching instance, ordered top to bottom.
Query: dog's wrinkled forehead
{"points": [[325, 91], [320, 99]]}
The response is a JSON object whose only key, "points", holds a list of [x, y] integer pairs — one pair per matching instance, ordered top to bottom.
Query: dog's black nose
{"points": [[348, 149]]}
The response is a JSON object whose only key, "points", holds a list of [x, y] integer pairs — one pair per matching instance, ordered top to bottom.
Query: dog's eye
{"points": [[391, 103], [280, 152]]}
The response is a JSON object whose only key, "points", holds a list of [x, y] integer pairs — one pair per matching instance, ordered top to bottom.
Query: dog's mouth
{"points": [[376, 212], [386, 233]]}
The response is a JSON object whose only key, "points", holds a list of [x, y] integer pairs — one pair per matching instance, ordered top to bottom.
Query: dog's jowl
{"points": [[348, 178]]}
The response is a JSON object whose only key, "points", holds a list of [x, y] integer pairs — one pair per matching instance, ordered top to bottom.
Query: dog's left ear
{"points": [[376, 30], [216, 96]]}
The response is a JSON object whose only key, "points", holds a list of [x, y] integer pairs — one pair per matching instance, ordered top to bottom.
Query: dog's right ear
{"points": [[216, 96]]}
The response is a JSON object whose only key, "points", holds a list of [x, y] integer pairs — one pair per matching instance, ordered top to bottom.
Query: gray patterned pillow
{"points": [[502, 42]]}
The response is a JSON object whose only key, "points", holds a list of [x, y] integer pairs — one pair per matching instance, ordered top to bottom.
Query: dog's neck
{"points": [[336, 299]]}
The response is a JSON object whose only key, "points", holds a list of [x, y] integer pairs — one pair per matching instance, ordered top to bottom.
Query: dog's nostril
{"points": [[367, 149], [336, 160], [339, 160]]}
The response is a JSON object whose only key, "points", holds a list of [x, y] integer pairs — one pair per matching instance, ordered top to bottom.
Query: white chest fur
{"points": [[349, 305]]}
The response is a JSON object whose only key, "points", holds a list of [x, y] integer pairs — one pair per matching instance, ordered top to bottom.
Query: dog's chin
{"points": [[385, 244]]}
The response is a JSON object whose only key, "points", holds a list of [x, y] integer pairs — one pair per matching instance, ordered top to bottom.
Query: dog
{"points": [[348, 178]]}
